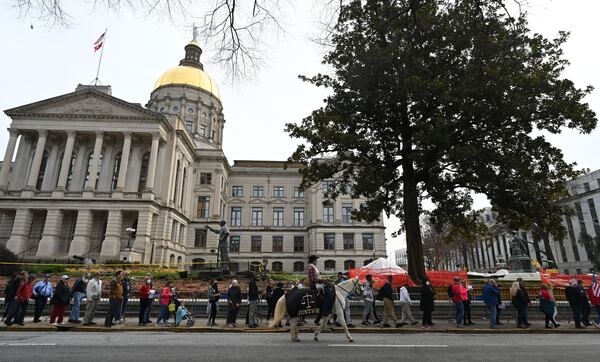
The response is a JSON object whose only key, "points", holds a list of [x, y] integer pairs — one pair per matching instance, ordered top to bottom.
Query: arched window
{"points": [[43, 165], [71, 168], [89, 169], [144, 172], [115, 173], [176, 180], [172, 260], [180, 262], [198, 264], [349, 264], [329, 265], [277, 266], [298, 267]]}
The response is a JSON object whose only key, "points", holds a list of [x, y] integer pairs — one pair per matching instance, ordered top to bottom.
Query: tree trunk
{"points": [[414, 246], [536, 247]]}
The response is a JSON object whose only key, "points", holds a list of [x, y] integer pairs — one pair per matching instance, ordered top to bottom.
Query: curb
{"points": [[68, 328]]}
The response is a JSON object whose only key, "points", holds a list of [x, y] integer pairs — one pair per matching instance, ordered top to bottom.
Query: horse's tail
{"points": [[280, 310]]}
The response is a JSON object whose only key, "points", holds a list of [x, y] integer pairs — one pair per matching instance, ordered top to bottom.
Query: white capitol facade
{"points": [[89, 166]]}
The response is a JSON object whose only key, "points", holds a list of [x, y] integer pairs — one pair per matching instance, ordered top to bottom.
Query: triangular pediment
{"points": [[84, 103]]}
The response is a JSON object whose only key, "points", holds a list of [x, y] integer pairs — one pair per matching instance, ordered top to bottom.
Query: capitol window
{"points": [[175, 109], [190, 110], [257, 191]]}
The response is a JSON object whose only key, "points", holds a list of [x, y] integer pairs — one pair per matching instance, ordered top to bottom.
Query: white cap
{"points": [[64, 277]]}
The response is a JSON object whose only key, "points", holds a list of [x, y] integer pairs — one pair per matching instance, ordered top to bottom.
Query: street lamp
{"points": [[129, 232]]}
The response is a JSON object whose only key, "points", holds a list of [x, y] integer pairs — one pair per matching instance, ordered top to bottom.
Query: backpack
{"points": [[450, 292]]}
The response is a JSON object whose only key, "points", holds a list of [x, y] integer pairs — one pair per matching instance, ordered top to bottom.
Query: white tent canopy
{"points": [[384, 265]]}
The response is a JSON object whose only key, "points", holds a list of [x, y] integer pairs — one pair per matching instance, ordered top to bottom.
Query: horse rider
{"points": [[315, 283]]}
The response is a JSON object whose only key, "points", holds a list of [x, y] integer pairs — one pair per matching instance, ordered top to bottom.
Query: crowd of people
{"points": [[23, 287]]}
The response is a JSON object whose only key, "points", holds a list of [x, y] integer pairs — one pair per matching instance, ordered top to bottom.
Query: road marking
{"points": [[27, 344], [392, 345]]}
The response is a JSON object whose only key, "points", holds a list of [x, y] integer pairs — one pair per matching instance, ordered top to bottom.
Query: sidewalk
{"points": [[441, 326]]}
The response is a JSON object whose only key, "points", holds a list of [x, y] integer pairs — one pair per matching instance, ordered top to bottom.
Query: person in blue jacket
{"points": [[491, 295]]}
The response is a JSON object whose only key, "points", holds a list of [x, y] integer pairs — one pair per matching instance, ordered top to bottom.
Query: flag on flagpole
{"points": [[99, 42]]}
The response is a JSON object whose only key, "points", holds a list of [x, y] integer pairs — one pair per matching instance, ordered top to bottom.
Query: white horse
{"points": [[342, 290]]}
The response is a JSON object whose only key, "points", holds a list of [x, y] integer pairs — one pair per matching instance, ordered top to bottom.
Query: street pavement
{"points": [[165, 346]]}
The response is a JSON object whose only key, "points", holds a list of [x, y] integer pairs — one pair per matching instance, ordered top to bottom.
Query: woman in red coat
{"points": [[23, 295]]}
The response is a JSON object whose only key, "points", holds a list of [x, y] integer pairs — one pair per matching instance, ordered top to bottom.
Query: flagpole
{"points": [[100, 61]]}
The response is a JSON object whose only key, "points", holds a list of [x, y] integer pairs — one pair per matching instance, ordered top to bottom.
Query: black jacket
{"points": [[79, 286], [11, 288], [252, 290], [386, 291], [277, 293], [61, 294], [234, 295], [573, 295], [427, 298]]}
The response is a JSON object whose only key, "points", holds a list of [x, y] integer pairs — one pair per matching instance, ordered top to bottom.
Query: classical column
{"points": [[8, 156], [37, 159], [66, 161], [124, 161], [152, 162], [91, 186], [179, 195], [52, 230], [19, 236], [81, 237], [112, 242], [143, 243]]}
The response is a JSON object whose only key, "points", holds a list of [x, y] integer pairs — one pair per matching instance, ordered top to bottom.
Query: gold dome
{"points": [[191, 76]]}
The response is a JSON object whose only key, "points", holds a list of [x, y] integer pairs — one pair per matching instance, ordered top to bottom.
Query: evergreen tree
{"points": [[437, 99]]}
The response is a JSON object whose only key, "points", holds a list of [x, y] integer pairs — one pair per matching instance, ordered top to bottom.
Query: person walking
{"points": [[42, 290], [10, 292], [93, 292], [126, 292], [152, 292], [278, 292], [466, 292], [78, 293], [491, 295], [23, 296], [253, 296], [456, 296], [574, 296], [594, 296], [115, 298], [165, 298], [11, 299], [213, 299], [234, 299], [269, 299], [369, 299], [60, 300], [144, 301], [426, 303], [519, 303], [388, 304], [547, 306], [405, 307], [586, 310]]}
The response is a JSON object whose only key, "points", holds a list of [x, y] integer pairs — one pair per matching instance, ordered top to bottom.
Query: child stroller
{"points": [[182, 313]]}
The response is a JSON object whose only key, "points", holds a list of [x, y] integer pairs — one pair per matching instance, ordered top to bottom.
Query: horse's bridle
{"points": [[356, 290]]}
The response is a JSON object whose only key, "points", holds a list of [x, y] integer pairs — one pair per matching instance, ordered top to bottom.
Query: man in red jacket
{"points": [[594, 295], [23, 296]]}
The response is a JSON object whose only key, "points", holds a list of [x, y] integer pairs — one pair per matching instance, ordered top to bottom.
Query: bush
{"points": [[8, 257], [38, 270], [166, 275]]}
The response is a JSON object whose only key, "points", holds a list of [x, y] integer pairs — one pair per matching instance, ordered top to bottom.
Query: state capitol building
{"points": [[140, 184]]}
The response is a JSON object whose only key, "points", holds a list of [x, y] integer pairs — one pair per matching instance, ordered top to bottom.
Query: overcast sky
{"points": [[44, 62]]}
